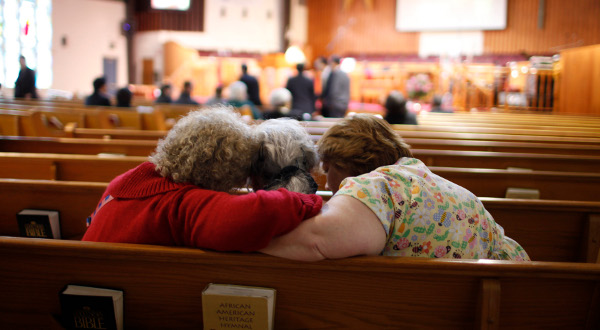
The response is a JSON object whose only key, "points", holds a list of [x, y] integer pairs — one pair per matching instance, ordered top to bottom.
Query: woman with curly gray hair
{"points": [[285, 158], [180, 197]]}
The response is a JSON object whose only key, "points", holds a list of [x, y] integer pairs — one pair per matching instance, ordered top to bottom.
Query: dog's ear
{"points": [[258, 161]]}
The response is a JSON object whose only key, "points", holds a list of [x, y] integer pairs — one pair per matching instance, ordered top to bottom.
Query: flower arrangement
{"points": [[418, 86]]}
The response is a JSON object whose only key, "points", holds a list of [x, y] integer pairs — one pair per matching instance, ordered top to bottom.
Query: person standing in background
{"points": [[25, 84], [253, 88], [303, 93], [336, 95]]}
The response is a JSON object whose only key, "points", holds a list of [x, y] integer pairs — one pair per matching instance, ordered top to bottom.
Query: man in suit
{"points": [[25, 84], [252, 86], [303, 93], [336, 95], [99, 96]]}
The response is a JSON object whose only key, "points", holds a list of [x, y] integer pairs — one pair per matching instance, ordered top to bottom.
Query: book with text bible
{"points": [[39, 223], [226, 306], [85, 307]]}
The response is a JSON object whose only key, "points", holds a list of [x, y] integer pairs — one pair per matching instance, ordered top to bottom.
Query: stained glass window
{"points": [[26, 29]]}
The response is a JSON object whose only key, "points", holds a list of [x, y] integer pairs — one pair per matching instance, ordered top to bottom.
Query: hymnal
{"points": [[39, 223], [227, 306], [85, 307]]}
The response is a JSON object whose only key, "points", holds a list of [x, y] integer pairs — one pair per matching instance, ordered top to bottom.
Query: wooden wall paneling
{"points": [[152, 20], [567, 24], [357, 30], [366, 31], [579, 83]]}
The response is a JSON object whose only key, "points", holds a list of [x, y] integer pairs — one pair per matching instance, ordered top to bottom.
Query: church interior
{"points": [[486, 214]]}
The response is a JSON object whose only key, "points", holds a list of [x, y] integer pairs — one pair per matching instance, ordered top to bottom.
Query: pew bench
{"points": [[132, 134], [146, 147], [65, 167], [103, 168], [490, 182], [548, 230], [163, 288]]}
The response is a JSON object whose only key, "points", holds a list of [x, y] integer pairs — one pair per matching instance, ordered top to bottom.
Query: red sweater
{"points": [[150, 209]]}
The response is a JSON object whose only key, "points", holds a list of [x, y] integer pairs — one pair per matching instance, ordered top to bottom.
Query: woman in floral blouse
{"points": [[388, 203]]}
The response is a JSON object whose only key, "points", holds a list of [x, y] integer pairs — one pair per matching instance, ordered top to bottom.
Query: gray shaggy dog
{"points": [[285, 158]]}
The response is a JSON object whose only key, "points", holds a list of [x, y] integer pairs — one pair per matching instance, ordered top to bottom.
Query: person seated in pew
{"points": [[165, 95], [186, 95], [99, 96], [124, 96], [217, 98], [238, 98], [280, 101], [437, 105], [396, 111], [285, 158], [181, 196], [388, 203]]}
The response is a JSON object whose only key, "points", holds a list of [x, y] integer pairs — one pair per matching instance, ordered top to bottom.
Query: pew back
{"points": [[146, 147], [65, 167], [75, 201], [549, 230], [163, 285]]}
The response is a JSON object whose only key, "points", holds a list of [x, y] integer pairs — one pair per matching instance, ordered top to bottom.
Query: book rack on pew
{"points": [[163, 287]]}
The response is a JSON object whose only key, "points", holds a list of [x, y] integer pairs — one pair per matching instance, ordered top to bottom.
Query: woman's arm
{"points": [[224, 222], [344, 228]]}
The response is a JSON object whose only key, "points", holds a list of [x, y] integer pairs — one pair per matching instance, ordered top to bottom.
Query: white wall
{"points": [[92, 30], [257, 32], [297, 33], [451, 43]]}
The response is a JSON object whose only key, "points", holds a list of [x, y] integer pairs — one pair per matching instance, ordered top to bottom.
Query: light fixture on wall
{"points": [[294, 55], [348, 64]]}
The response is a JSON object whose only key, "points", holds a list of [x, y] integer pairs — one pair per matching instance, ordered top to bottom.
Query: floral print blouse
{"points": [[425, 215]]}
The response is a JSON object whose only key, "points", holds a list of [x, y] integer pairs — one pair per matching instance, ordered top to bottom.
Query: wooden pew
{"points": [[106, 118], [513, 118], [14, 122], [490, 123], [319, 127], [558, 132], [121, 134], [127, 134], [76, 146], [501, 146], [146, 147], [505, 160], [66, 167], [76, 167], [484, 182], [551, 184], [74, 200], [549, 230], [163, 288]]}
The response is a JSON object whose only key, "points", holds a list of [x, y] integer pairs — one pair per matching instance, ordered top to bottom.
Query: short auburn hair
{"points": [[361, 144]]}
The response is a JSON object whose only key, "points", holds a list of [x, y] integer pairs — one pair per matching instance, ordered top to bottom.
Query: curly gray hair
{"points": [[211, 148], [285, 157]]}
